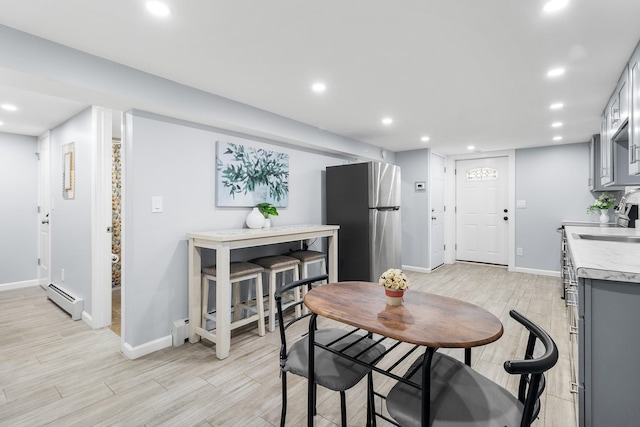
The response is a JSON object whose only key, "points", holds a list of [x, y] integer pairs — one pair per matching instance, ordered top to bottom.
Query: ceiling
{"points": [[463, 72]]}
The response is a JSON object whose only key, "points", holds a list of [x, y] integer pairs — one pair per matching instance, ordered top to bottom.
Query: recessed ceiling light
{"points": [[555, 5], [158, 8], [555, 72], [318, 87], [556, 106], [8, 107], [387, 121], [556, 124], [424, 138], [557, 138], [470, 147]]}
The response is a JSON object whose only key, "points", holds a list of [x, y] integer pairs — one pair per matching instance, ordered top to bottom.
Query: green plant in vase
{"points": [[604, 202], [602, 205], [267, 209]]}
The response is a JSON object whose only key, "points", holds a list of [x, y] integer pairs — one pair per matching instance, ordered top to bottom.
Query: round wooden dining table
{"points": [[424, 319]]}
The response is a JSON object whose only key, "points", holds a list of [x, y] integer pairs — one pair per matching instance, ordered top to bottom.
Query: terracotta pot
{"points": [[394, 297]]}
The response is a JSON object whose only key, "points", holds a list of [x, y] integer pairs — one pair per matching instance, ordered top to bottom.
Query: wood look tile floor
{"points": [[116, 311], [59, 372]]}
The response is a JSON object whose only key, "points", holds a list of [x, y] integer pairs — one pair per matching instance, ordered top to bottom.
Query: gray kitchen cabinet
{"points": [[619, 107], [634, 113], [615, 115], [617, 131], [606, 149], [620, 153], [594, 164], [608, 349]]}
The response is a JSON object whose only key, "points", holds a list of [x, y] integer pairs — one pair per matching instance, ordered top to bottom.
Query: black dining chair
{"points": [[331, 370], [462, 397]]}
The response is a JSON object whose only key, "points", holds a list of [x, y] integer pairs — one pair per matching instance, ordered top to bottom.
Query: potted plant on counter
{"points": [[601, 205], [267, 209]]}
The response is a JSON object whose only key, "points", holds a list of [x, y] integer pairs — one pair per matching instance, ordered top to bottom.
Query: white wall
{"points": [[83, 77], [176, 161], [414, 166], [553, 182], [18, 208], [71, 219]]}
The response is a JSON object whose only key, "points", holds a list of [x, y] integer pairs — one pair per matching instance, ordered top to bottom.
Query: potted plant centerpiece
{"points": [[602, 205], [267, 209], [395, 283]]}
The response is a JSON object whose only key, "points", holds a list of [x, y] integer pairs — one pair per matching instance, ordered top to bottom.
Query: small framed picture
{"points": [[421, 186]]}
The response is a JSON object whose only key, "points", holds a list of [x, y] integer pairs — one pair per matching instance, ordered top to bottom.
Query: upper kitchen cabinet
{"points": [[619, 104], [634, 117], [613, 118], [606, 149], [615, 162], [594, 164]]}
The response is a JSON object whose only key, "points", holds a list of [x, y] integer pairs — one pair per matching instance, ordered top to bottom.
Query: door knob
{"points": [[505, 218]]}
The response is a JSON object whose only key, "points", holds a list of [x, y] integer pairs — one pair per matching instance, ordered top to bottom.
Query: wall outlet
{"points": [[521, 204], [519, 252]]}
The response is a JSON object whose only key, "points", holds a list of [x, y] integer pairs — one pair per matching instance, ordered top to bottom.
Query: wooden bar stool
{"points": [[308, 258], [273, 265], [238, 272]]}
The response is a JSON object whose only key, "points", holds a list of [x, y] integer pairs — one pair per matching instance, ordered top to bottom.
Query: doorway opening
{"points": [[116, 240]]}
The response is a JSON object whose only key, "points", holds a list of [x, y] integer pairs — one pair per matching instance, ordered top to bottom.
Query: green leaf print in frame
{"points": [[246, 176]]}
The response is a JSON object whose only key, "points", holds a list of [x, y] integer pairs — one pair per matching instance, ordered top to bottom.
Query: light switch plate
{"points": [[156, 204]]}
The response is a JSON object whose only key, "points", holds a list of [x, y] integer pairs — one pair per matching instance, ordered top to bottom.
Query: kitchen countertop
{"points": [[588, 224], [596, 259]]}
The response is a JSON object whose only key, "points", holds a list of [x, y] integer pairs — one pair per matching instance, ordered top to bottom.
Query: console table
{"points": [[223, 241]]}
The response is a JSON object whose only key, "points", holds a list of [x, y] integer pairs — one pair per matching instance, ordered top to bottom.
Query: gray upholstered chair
{"points": [[331, 371], [462, 397]]}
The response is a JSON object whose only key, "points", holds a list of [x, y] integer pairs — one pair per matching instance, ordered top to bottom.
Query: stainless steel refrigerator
{"points": [[364, 200]]}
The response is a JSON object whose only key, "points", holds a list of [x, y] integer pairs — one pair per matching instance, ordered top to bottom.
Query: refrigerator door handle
{"points": [[388, 208]]}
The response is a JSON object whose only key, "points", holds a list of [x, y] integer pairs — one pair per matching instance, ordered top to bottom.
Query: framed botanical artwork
{"points": [[68, 171], [246, 176]]}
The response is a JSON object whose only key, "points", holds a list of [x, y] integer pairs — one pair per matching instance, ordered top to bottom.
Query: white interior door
{"points": [[436, 201], [44, 210], [482, 215], [101, 223]]}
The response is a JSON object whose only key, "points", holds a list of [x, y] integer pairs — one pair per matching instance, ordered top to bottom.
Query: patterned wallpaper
{"points": [[116, 196]]}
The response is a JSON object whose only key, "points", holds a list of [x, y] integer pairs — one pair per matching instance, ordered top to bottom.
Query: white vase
{"points": [[604, 216], [255, 219], [267, 223]]}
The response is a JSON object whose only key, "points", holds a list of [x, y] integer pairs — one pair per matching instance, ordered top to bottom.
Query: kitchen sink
{"points": [[608, 238]]}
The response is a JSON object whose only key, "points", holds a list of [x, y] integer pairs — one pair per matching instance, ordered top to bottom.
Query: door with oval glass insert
{"points": [[482, 215]]}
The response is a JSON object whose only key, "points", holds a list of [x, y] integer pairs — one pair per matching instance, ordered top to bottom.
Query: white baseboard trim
{"points": [[416, 269], [538, 272], [18, 285], [88, 319], [146, 348]]}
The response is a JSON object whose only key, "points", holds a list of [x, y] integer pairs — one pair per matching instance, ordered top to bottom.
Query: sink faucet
{"points": [[622, 211]]}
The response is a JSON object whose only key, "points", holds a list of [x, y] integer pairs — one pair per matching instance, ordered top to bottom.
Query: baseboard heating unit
{"points": [[66, 300]]}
